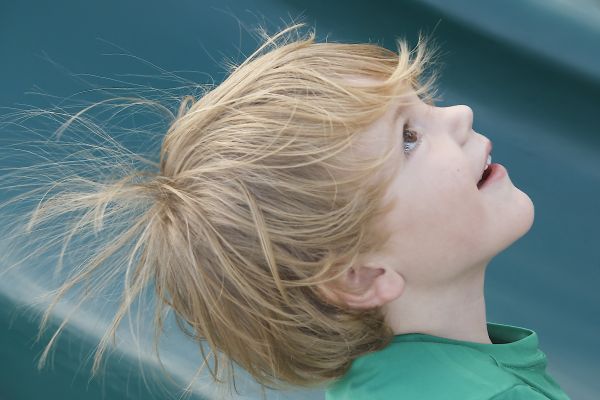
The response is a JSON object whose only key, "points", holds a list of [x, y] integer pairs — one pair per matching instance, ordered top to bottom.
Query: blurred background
{"points": [[530, 70]]}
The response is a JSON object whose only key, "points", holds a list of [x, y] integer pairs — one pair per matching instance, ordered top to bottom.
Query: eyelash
{"points": [[415, 144]]}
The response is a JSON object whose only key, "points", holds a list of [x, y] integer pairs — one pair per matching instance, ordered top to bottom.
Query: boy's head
{"points": [[275, 187], [280, 193]]}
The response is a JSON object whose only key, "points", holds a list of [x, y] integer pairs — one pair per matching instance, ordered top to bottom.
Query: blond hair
{"points": [[255, 201]]}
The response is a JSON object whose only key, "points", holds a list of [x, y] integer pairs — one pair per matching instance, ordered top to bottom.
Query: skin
{"points": [[430, 276]]}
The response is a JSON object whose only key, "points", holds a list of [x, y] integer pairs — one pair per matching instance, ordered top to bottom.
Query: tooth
{"points": [[489, 159]]}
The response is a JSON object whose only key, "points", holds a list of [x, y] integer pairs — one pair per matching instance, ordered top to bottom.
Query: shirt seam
{"points": [[530, 364], [496, 396]]}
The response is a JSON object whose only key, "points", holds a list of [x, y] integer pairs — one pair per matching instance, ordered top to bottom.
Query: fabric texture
{"points": [[421, 366]]}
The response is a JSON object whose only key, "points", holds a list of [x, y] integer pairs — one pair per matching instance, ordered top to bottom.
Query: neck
{"points": [[454, 311]]}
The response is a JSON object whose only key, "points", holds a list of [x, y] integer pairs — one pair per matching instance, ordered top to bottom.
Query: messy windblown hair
{"points": [[255, 200]]}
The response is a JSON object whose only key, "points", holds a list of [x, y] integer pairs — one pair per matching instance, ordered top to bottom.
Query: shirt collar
{"points": [[510, 344]]}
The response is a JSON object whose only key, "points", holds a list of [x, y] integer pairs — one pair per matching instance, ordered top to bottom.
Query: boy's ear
{"points": [[364, 287]]}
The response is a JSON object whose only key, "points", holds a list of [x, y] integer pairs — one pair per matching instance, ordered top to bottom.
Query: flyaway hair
{"points": [[260, 193]]}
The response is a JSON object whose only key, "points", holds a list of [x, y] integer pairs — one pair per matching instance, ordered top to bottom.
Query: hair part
{"points": [[258, 197]]}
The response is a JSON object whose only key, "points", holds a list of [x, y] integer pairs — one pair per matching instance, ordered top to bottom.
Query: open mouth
{"points": [[484, 177]]}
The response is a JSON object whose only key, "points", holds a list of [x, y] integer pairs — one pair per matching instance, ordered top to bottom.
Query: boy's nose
{"points": [[461, 122]]}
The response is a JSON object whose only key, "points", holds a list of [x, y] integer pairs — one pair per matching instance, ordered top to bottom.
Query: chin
{"points": [[525, 215], [516, 220]]}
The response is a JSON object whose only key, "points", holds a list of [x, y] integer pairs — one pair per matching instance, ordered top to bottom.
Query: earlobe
{"points": [[388, 286], [365, 287]]}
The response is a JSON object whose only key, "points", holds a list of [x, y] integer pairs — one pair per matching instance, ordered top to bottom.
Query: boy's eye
{"points": [[411, 139]]}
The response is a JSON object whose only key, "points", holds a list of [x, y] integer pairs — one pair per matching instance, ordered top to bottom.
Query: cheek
{"points": [[456, 186], [437, 196], [459, 202], [450, 216], [438, 219], [433, 243]]}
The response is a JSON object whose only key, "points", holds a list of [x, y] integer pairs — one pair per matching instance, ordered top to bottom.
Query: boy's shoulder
{"points": [[421, 366], [427, 370]]}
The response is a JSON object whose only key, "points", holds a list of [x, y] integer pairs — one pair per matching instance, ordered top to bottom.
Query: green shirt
{"points": [[418, 366]]}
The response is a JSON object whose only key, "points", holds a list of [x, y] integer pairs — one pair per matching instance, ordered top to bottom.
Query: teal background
{"points": [[529, 69]]}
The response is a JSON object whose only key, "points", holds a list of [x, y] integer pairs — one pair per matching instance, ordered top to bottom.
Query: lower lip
{"points": [[497, 173]]}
